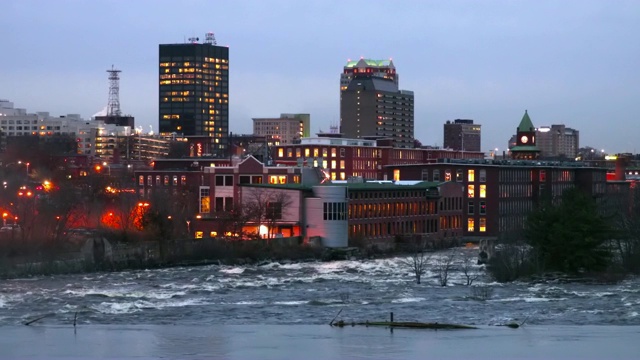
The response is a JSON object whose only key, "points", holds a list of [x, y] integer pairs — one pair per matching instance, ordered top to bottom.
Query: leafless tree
{"points": [[265, 206], [418, 257], [443, 267], [467, 268]]}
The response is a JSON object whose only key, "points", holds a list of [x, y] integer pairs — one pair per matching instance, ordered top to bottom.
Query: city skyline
{"points": [[569, 63]]}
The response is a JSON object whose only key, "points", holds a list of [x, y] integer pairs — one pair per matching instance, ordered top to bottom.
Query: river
{"points": [[272, 295]]}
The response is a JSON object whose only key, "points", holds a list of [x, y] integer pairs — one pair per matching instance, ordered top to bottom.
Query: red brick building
{"points": [[499, 195]]}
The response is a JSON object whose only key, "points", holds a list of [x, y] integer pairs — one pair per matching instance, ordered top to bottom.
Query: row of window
{"points": [[448, 175], [160, 180], [227, 180], [471, 191], [482, 209], [334, 211], [358, 211], [482, 225], [394, 227]]}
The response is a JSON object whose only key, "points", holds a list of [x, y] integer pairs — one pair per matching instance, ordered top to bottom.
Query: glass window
{"points": [[280, 152], [333, 152], [342, 152], [425, 174], [396, 175], [436, 175], [447, 175], [459, 175], [483, 175], [471, 177], [141, 180], [150, 180], [158, 180], [166, 180], [175, 180], [183, 180], [219, 180], [471, 191], [483, 191], [483, 207], [470, 208], [483, 224], [470, 225]]}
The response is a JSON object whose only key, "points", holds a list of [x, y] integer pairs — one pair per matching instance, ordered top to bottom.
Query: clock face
{"points": [[524, 139]]}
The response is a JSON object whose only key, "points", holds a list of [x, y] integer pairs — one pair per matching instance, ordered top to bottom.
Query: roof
{"points": [[369, 62], [525, 123], [528, 148], [369, 185]]}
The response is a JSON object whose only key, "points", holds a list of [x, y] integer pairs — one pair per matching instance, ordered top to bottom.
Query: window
{"points": [[281, 152], [307, 152], [333, 152], [342, 152], [298, 153], [342, 164], [425, 174], [396, 175], [436, 175], [447, 175], [459, 175], [483, 175], [543, 175], [471, 176], [245, 179], [256, 179], [296, 179], [141, 180], [150, 180], [158, 180], [166, 180], [175, 180], [183, 180], [223, 180], [471, 191], [483, 191], [205, 201], [219, 204], [228, 204], [470, 208], [483, 208], [274, 211], [334, 211], [483, 224], [470, 225]]}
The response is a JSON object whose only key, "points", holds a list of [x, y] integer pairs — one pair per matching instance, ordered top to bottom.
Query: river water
{"points": [[228, 299]]}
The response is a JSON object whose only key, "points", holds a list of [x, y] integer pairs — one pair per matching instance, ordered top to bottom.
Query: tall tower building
{"points": [[194, 91], [372, 106], [462, 134]]}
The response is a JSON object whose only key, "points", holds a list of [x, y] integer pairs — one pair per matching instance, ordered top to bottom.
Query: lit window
{"points": [[280, 152], [307, 152], [333, 152], [333, 164], [342, 164], [396, 175], [447, 175], [459, 175], [343, 176], [472, 176], [471, 191], [483, 191], [483, 224], [470, 225], [199, 234]]}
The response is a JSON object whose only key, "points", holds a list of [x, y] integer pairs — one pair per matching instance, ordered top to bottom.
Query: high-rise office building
{"points": [[194, 91], [372, 106], [287, 128], [462, 134], [558, 141]]}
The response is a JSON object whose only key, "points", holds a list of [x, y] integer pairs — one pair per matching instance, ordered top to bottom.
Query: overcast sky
{"points": [[567, 62]]}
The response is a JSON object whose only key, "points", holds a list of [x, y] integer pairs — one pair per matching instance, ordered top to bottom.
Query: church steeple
{"points": [[525, 124], [525, 148]]}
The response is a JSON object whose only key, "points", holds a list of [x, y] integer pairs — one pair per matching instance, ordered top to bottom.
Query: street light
{"points": [[26, 164]]}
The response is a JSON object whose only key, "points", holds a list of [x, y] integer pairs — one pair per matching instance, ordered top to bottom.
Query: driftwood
{"points": [[37, 319], [406, 325]]}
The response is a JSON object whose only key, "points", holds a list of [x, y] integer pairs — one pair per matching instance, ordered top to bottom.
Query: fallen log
{"points": [[406, 325]]}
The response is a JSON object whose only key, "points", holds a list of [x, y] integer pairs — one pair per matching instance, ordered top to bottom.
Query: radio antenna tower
{"points": [[113, 105]]}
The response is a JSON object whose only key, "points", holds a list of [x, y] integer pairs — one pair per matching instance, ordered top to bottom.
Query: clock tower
{"points": [[525, 148]]}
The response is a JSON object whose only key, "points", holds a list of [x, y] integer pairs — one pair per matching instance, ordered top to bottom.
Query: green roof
{"points": [[369, 62], [525, 123], [527, 148], [377, 185]]}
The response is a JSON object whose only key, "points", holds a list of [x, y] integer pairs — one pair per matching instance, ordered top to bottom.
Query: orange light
{"points": [[98, 167], [4, 215], [198, 216]]}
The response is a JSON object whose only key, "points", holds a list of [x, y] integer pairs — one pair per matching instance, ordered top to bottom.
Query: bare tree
{"points": [[265, 206], [418, 257], [443, 267], [467, 268]]}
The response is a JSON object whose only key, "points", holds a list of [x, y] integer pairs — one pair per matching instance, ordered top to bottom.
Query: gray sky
{"points": [[572, 62]]}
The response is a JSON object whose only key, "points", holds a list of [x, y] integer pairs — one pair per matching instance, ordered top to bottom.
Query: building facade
{"points": [[194, 91], [372, 106], [287, 129], [462, 134], [558, 142], [344, 158], [499, 195]]}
